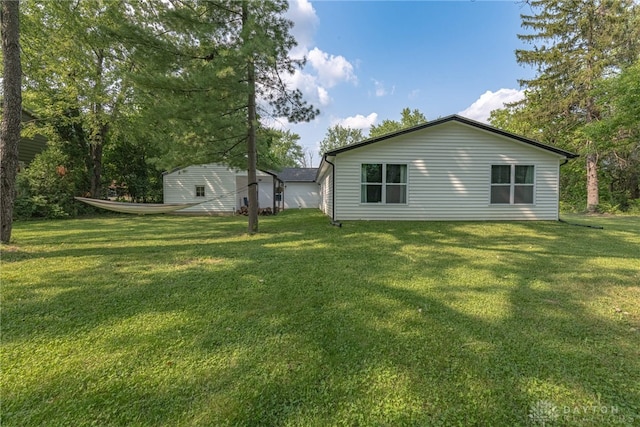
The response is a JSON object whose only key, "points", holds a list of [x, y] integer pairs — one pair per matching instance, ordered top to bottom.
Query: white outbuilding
{"points": [[222, 190], [300, 190]]}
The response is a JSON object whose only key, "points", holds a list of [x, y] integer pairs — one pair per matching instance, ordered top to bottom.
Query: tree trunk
{"points": [[12, 112], [98, 132], [252, 155], [96, 167], [592, 183]]}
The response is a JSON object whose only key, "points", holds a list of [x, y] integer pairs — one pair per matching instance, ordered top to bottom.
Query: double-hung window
{"points": [[383, 183], [512, 184], [199, 190]]}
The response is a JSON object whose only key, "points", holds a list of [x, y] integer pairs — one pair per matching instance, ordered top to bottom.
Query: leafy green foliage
{"points": [[577, 47], [75, 75], [194, 75], [154, 85], [408, 119], [619, 133], [338, 136], [283, 149], [128, 164], [46, 188], [189, 321]]}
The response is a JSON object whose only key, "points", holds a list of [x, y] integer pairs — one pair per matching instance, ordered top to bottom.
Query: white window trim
{"points": [[384, 184], [512, 184], [204, 191]]}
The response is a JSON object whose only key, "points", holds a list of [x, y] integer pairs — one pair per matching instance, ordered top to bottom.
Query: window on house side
{"points": [[383, 183], [512, 184], [199, 190]]}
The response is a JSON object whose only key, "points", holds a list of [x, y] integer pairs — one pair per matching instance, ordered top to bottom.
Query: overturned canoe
{"points": [[135, 208]]}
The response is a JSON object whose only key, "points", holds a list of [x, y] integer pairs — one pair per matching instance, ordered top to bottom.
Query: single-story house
{"points": [[452, 168], [221, 189], [300, 189]]}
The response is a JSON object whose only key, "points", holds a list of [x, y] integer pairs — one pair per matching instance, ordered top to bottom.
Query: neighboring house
{"points": [[28, 148], [452, 168], [300, 188], [221, 189]]}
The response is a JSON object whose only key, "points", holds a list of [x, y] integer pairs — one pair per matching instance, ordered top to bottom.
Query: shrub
{"points": [[46, 187]]}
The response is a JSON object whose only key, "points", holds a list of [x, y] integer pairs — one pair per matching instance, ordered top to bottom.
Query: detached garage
{"points": [[218, 188], [300, 188]]}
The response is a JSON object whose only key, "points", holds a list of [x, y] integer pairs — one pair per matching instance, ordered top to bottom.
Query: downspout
{"points": [[566, 160], [282, 187], [273, 192], [333, 193], [570, 223]]}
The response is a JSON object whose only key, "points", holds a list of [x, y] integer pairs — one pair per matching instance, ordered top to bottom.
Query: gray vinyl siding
{"points": [[30, 147], [449, 176], [220, 185]]}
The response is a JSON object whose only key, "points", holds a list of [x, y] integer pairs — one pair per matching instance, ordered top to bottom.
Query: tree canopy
{"points": [[577, 46], [170, 82], [408, 119], [338, 136]]}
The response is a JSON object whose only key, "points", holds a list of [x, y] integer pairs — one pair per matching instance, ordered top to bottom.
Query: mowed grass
{"points": [[182, 321]]}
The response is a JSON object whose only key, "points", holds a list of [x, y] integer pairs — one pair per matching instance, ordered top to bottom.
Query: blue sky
{"points": [[367, 60]]}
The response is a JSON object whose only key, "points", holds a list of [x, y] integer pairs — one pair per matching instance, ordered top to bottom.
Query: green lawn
{"points": [[182, 321]]}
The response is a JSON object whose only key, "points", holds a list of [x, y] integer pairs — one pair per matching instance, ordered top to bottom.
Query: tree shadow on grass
{"points": [[338, 326]]}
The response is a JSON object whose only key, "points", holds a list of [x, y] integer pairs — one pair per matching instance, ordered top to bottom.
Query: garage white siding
{"points": [[449, 176], [219, 184], [224, 188], [265, 189], [301, 195]]}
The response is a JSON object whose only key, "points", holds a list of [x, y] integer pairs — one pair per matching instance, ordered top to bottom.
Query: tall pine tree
{"points": [[575, 44], [216, 68]]}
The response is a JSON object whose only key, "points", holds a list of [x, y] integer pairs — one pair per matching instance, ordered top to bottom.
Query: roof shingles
{"points": [[297, 174]]}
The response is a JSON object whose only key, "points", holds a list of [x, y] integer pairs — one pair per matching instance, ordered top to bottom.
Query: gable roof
{"points": [[453, 118], [241, 172], [298, 174]]}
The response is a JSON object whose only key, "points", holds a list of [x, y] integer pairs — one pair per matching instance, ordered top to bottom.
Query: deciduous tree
{"points": [[575, 44], [75, 73], [408, 119], [618, 133], [338, 136], [283, 149]]}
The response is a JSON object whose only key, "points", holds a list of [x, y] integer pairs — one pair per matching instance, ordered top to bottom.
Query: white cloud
{"points": [[305, 23], [331, 69], [323, 70], [300, 80], [309, 86], [381, 90], [414, 94], [323, 96], [490, 101], [357, 122]]}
